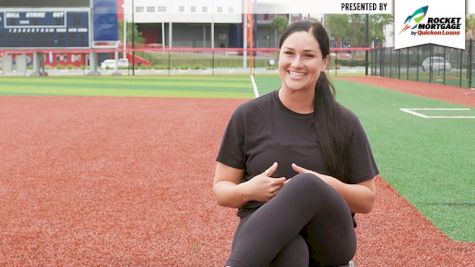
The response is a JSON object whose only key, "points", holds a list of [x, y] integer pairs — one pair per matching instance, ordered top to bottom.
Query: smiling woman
{"points": [[300, 65], [296, 164]]}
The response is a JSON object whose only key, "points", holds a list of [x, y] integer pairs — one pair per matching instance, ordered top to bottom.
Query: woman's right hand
{"points": [[263, 187]]}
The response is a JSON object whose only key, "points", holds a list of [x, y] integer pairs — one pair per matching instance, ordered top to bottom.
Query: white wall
{"points": [[184, 11], [389, 35]]}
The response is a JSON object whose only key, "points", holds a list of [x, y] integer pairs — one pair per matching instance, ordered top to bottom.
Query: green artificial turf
{"points": [[175, 86], [429, 161]]}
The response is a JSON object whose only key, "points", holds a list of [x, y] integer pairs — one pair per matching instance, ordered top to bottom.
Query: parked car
{"points": [[110, 63], [438, 64]]}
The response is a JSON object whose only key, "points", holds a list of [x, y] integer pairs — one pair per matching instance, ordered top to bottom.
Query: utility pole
{"points": [[124, 21], [133, 39], [367, 45]]}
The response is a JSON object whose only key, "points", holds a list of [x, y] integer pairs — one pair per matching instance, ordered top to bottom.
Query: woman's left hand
{"points": [[299, 169], [327, 179], [360, 197]]}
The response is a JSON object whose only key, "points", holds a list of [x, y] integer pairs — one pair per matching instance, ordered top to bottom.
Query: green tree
{"points": [[280, 23], [377, 24], [470, 27], [351, 28], [139, 39]]}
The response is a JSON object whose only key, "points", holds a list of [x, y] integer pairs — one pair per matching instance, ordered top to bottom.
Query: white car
{"points": [[110, 63], [438, 64]]}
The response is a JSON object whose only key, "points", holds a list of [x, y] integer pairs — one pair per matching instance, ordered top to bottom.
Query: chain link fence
{"points": [[426, 63]]}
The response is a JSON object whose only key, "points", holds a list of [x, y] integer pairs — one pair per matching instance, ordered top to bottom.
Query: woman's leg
{"points": [[279, 221], [331, 238], [295, 254]]}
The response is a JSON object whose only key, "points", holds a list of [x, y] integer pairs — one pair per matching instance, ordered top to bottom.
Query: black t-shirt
{"points": [[263, 131]]}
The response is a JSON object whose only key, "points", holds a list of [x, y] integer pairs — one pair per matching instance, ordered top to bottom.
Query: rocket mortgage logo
{"points": [[416, 17], [428, 23], [433, 25]]}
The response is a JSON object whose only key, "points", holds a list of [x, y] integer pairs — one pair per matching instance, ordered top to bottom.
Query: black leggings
{"points": [[306, 224]]}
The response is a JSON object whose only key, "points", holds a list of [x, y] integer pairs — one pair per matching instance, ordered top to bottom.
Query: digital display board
{"points": [[44, 3], [34, 19], [105, 20], [44, 28]]}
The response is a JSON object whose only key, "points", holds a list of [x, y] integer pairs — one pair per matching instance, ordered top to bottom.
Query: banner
{"points": [[419, 22]]}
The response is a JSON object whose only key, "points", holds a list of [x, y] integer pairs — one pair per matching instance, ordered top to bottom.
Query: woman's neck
{"points": [[300, 101]]}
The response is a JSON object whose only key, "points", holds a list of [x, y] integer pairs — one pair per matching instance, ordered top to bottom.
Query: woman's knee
{"points": [[308, 181]]}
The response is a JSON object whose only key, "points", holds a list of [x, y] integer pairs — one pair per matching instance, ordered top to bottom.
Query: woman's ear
{"points": [[324, 63]]}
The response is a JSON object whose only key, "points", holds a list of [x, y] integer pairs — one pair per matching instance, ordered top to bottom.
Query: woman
{"points": [[296, 164]]}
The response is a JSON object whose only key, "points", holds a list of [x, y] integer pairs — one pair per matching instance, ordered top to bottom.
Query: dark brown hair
{"points": [[327, 112]]}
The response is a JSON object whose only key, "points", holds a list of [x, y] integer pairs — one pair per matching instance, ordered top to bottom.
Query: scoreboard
{"points": [[27, 24], [44, 28]]}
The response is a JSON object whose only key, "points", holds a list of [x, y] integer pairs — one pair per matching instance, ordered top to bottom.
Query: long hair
{"points": [[327, 112]]}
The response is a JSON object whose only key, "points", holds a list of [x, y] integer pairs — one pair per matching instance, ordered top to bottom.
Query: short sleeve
{"points": [[232, 152], [362, 165]]}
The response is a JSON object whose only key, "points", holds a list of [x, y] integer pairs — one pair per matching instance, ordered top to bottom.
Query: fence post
{"points": [[445, 58], [381, 59], [418, 60], [373, 62], [390, 62], [407, 63], [431, 63], [399, 64], [460, 67], [469, 69]]}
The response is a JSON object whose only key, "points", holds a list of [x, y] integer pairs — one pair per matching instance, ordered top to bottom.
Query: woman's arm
{"points": [[230, 192], [360, 197]]}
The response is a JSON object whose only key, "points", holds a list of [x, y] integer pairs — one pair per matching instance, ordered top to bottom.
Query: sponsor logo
{"points": [[415, 18], [430, 22], [431, 26]]}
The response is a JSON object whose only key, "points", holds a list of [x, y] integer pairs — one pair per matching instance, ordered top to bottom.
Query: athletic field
{"points": [[95, 166]]}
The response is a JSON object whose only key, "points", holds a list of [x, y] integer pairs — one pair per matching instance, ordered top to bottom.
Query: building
{"points": [[184, 23]]}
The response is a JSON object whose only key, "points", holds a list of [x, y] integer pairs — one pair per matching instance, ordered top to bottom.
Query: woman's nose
{"points": [[297, 61]]}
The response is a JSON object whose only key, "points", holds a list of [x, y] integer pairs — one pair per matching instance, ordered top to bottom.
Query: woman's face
{"points": [[300, 62]]}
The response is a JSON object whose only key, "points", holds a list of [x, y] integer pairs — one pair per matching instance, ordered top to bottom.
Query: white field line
{"points": [[254, 86], [438, 108], [408, 110], [412, 111]]}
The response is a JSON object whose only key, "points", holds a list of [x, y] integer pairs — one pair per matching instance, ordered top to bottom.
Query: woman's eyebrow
{"points": [[306, 50]]}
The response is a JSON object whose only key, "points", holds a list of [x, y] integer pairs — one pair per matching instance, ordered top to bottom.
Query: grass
{"points": [[156, 86], [429, 161]]}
